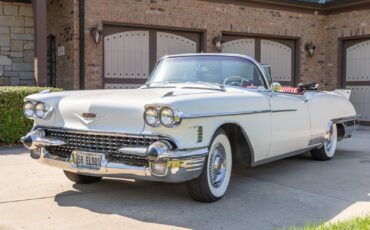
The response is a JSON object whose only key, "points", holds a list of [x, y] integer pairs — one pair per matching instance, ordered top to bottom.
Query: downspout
{"points": [[81, 10]]}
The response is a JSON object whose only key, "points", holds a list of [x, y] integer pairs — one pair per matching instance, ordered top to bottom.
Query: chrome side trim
{"points": [[283, 110], [235, 113], [224, 114], [290, 154]]}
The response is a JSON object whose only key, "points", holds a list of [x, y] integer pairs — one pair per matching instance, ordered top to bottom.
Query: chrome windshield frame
{"points": [[243, 57]]}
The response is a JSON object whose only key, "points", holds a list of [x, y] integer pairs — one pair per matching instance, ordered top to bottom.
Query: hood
{"points": [[106, 110]]}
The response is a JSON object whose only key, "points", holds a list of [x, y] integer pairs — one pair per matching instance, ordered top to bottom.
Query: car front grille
{"points": [[107, 144]]}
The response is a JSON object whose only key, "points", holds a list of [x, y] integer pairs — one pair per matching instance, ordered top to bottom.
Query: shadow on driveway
{"points": [[289, 192]]}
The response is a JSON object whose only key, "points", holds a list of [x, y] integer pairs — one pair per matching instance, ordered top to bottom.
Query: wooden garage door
{"points": [[131, 53], [278, 53], [357, 76]]}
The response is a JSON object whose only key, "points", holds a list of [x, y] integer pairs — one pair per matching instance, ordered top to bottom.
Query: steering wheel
{"points": [[235, 81]]}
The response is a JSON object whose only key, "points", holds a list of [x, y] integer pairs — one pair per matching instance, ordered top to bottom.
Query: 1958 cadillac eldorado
{"points": [[196, 117]]}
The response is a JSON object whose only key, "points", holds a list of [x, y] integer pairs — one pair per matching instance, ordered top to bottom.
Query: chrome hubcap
{"points": [[217, 166]]}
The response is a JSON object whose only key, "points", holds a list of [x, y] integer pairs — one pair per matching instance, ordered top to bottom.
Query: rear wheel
{"points": [[327, 151], [81, 179], [214, 180]]}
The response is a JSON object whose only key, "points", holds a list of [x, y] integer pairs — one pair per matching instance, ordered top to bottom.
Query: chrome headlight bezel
{"points": [[28, 109], [40, 110], [166, 116], [175, 120], [154, 123]]}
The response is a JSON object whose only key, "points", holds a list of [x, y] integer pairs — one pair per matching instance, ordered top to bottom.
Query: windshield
{"points": [[223, 70]]}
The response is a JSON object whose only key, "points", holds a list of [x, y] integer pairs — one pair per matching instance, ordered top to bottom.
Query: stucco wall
{"points": [[16, 44]]}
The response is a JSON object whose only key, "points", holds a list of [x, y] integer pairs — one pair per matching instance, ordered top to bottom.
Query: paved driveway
{"points": [[292, 191]]}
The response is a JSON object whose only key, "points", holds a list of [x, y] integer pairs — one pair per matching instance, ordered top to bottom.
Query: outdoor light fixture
{"points": [[96, 34], [217, 41], [310, 48]]}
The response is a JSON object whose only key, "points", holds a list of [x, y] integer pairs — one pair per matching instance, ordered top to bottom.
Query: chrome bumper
{"points": [[350, 124], [181, 165], [178, 170]]}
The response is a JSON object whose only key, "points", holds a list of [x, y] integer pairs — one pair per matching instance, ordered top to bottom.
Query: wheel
{"points": [[327, 151], [81, 179], [212, 184]]}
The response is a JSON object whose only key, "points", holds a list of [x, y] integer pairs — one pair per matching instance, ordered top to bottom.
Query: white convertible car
{"points": [[196, 117]]}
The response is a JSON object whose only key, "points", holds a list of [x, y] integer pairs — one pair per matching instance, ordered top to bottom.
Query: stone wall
{"points": [[16, 44]]}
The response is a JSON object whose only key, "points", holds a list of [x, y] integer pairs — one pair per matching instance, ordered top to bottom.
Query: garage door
{"points": [[130, 53], [278, 53], [357, 76]]}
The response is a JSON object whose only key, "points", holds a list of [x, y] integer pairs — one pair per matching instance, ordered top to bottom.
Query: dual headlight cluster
{"points": [[36, 109], [161, 115]]}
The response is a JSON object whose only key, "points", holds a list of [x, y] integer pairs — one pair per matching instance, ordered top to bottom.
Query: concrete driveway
{"points": [[288, 192]]}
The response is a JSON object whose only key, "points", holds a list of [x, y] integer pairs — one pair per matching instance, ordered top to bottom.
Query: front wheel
{"points": [[327, 151], [81, 179], [214, 180]]}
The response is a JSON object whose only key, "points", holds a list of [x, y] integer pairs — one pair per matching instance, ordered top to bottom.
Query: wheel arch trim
{"points": [[248, 142]]}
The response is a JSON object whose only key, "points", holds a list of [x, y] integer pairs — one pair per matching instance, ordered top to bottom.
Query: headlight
{"points": [[28, 109], [35, 109], [40, 110], [151, 117], [167, 117]]}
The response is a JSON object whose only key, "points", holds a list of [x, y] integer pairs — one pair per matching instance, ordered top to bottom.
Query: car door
{"points": [[290, 123]]}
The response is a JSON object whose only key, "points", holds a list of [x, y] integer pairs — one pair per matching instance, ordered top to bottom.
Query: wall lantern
{"points": [[96, 34], [217, 42], [310, 48]]}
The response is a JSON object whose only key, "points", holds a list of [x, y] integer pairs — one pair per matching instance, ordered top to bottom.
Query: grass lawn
{"points": [[361, 223]]}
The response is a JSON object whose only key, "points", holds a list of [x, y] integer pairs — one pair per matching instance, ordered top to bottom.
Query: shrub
{"points": [[13, 124]]}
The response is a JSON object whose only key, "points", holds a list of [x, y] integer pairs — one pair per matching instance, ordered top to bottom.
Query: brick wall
{"points": [[211, 16], [214, 17], [63, 24], [342, 26], [16, 44]]}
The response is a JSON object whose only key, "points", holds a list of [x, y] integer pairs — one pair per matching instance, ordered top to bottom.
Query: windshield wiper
{"points": [[156, 84], [211, 85], [214, 86]]}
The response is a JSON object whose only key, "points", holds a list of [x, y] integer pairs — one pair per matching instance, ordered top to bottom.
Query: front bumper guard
{"points": [[181, 165]]}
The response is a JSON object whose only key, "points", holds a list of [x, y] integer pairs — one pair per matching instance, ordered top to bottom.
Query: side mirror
{"points": [[276, 86]]}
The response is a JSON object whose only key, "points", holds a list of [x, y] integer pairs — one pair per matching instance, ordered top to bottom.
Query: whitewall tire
{"points": [[327, 151], [214, 180]]}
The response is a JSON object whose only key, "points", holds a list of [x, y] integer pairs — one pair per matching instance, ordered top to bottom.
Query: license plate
{"points": [[87, 160]]}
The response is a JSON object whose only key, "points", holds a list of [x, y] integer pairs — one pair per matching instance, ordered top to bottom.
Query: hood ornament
{"points": [[88, 115], [88, 118]]}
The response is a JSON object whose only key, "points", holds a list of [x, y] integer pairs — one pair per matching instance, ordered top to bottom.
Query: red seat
{"points": [[291, 90]]}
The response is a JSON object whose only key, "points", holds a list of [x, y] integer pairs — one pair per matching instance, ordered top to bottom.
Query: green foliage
{"points": [[13, 124], [359, 223]]}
